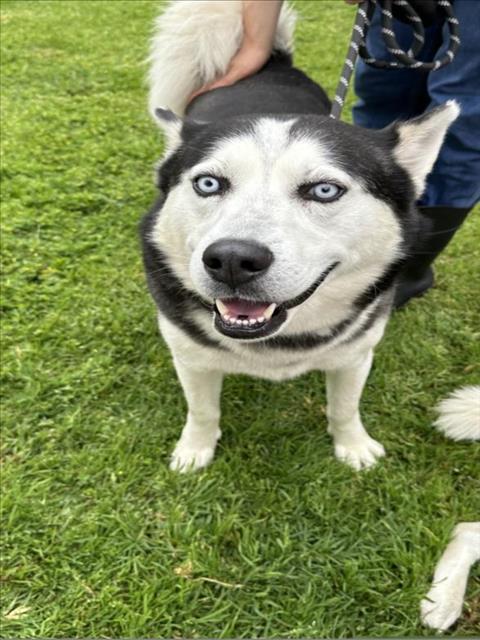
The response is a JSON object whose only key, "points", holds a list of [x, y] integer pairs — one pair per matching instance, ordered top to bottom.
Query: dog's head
{"points": [[260, 212]]}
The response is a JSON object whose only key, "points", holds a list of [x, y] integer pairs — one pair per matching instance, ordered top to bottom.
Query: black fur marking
{"points": [[166, 115], [199, 139], [366, 154], [381, 285], [311, 289], [171, 297], [381, 308], [305, 341]]}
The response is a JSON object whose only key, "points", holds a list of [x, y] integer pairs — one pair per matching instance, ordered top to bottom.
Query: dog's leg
{"points": [[199, 437], [352, 443], [443, 603]]}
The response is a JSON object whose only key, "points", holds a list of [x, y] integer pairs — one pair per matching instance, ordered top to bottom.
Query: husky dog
{"points": [[275, 242]]}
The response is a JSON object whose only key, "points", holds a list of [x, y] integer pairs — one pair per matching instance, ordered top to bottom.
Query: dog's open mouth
{"points": [[237, 318], [247, 319]]}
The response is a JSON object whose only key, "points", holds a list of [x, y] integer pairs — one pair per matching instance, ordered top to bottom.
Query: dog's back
{"points": [[278, 88]]}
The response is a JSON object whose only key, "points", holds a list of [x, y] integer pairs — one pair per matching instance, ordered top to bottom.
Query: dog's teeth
{"points": [[221, 307], [269, 311], [226, 318], [261, 319], [231, 321], [252, 321], [239, 322], [245, 323]]}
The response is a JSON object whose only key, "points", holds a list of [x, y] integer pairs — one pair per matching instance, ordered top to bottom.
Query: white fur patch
{"points": [[459, 414], [192, 452], [359, 452]]}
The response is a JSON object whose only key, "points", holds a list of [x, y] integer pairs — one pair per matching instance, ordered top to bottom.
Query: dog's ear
{"points": [[171, 125], [418, 141]]}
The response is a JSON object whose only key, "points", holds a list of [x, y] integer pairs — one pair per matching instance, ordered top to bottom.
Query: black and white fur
{"points": [[334, 265]]}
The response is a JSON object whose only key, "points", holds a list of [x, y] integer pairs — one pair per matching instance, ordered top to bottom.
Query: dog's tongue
{"points": [[244, 309]]}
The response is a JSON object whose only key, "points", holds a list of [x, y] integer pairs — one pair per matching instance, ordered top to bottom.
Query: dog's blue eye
{"points": [[207, 185], [324, 192]]}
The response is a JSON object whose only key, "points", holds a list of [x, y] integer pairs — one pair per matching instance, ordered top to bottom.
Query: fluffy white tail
{"points": [[193, 44], [459, 414]]}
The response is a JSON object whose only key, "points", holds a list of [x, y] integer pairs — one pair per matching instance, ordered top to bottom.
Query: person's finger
{"points": [[247, 62], [232, 76], [225, 81], [198, 92]]}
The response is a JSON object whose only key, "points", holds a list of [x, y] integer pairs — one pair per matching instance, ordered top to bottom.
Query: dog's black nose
{"points": [[236, 262]]}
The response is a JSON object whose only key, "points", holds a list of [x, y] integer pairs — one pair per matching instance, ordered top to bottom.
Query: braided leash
{"points": [[404, 59]]}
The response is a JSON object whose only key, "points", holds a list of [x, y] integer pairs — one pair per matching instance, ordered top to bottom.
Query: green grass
{"points": [[276, 538]]}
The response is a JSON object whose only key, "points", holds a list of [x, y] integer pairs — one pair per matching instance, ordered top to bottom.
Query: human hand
{"points": [[259, 22], [247, 61]]}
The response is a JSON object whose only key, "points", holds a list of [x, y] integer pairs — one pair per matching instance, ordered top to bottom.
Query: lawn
{"points": [[276, 538]]}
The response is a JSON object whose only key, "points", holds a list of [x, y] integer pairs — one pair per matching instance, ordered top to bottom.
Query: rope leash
{"points": [[404, 59]]}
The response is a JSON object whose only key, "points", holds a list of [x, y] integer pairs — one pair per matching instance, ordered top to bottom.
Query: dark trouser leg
{"points": [[453, 186], [438, 226]]}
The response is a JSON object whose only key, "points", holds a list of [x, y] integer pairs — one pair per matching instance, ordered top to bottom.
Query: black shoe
{"points": [[438, 226], [412, 286]]}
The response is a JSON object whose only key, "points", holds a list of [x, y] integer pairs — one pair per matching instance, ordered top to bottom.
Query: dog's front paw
{"points": [[361, 452], [191, 455], [187, 458], [441, 607]]}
